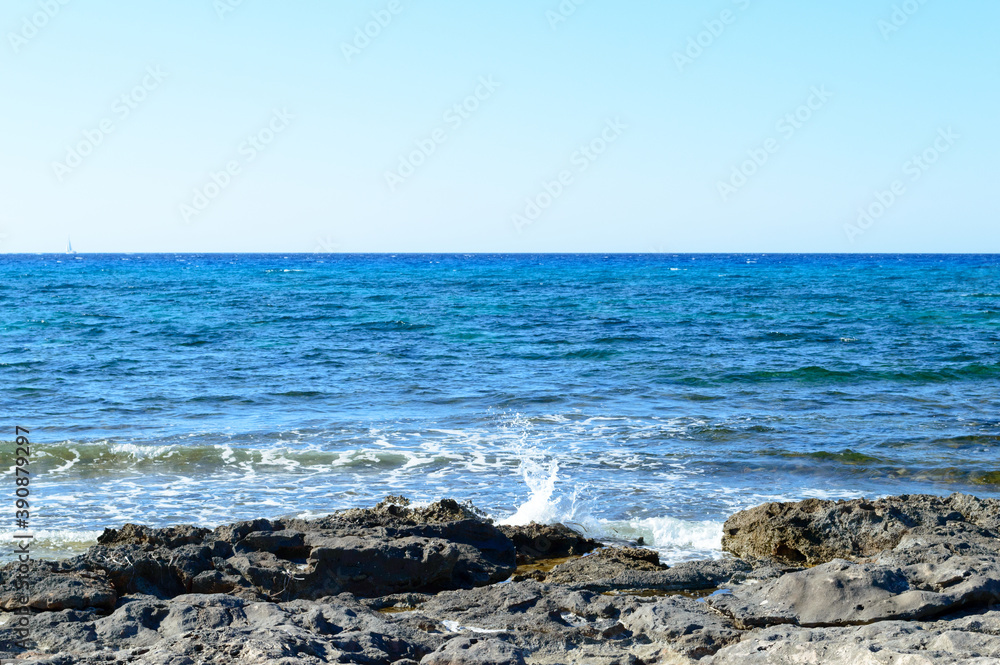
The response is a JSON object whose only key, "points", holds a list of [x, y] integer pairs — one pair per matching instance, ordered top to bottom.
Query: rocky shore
{"points": [[902, 580]]}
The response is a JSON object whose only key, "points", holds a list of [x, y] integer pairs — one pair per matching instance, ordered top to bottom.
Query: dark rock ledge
{"points": [[910, 579]]}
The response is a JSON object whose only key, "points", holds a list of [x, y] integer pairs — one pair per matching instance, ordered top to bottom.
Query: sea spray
{"points": [[539, 471], [541, 480], [675, 539]]}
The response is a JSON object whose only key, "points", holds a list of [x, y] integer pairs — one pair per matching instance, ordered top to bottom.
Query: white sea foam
{"points": [[141, 452], [276, 457], [69, 463], [540, 474], [541, 479], [615, 479], [673, 538], [53, 543], [455, 627]]}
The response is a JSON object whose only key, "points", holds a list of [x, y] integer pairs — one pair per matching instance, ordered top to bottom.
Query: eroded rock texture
{"points": [[898, 581]]}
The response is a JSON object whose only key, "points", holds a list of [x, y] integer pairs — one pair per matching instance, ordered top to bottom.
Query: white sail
{"points": [[69, 247]]}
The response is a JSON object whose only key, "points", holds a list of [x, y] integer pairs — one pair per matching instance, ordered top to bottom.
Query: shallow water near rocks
{"points": [[542, 565], [661, 593]]}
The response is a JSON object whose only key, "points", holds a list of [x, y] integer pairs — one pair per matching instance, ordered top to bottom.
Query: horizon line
{"points": [[459, 253]]}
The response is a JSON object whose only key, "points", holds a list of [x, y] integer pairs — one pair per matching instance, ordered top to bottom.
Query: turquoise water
{"points": [[632, 395]]}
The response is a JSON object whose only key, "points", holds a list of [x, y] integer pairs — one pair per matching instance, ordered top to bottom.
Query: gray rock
{"points": [[812, 532], [137, 534], [547, 541], [941, 543], [385, 550], [604, 564], [368, 566], [151, 569], [686, 576], [213, 581], [410, 586], [52, 589], [834, 593], [843, 593], [549, 621], [684, 624], [224, 629], [967, 641], [473, 651]]}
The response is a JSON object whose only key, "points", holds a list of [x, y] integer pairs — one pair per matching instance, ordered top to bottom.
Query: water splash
{"points": [[539, 472], [541, 479]]}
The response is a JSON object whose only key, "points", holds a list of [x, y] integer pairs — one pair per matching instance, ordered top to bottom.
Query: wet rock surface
{"points": [[547, 541], [899, 580]]}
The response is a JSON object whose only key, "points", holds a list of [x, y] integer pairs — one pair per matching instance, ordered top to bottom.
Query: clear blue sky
{"points": [[671, 124]]}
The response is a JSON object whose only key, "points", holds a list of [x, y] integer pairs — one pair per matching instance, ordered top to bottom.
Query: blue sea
{"points": [[629, 395]]}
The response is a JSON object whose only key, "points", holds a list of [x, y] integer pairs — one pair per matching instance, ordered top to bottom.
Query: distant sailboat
{"points": [[69, 247]]}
